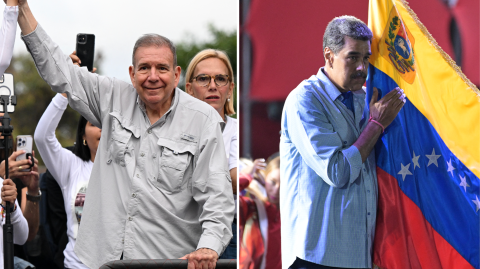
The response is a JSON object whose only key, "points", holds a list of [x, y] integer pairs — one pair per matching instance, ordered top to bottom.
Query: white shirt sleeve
{"points": [[7, 36], [233, 157], [56, 158], [20, 226]]}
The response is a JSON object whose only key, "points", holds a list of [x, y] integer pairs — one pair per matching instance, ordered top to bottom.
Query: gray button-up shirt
{"points": [[156, 191], [328, 197]]}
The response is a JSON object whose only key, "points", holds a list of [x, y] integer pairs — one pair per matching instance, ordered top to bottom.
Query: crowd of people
{"points": [[153, 171], [259, 220]]}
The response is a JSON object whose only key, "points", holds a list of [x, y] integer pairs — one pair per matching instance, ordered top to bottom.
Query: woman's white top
{"points": [[7, 38], [230, 139], [71, 172], [20, 226]]}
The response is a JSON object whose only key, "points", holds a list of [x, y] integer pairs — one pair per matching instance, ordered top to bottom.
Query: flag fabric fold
{"points": [[428, 159]]}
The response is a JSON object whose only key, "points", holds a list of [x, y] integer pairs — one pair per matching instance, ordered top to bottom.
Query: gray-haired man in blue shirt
{"points": [[329, 184]]}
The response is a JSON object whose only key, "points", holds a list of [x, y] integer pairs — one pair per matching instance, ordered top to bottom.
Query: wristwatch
{"points": [[34, 198]]}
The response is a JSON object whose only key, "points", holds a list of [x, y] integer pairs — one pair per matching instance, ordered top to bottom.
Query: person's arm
{"points": [[26, 20], [7, 34], [89, 94], [384, 112], [320, 145], [56, 158], [233, 161], [233, 176], [245, 180], [212, 190], [31, 209], [20, 226]]}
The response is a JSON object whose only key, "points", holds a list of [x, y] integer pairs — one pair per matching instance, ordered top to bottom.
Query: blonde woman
{"points": [[209, 77]]}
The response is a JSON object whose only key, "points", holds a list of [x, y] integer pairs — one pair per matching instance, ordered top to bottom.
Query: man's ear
{"points": [[329, 55], [131, 71], [177, 71]]}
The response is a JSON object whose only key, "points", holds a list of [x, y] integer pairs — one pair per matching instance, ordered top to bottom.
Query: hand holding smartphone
{"points": [[86, 49], [25, 142]]}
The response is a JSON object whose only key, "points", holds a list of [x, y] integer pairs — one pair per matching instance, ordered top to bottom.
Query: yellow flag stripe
{"points": [[440, 91]]}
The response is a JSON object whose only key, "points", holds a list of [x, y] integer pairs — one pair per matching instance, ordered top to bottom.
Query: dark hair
{"points": [[339, 27], [148, 40], [82, 151]]}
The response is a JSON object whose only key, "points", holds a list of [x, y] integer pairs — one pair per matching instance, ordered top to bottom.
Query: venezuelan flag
{"points": [[428, 159]]}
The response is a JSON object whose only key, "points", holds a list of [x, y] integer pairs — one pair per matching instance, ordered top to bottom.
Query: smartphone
{"points": [[86, 49], [6, 88], [25, 142]]}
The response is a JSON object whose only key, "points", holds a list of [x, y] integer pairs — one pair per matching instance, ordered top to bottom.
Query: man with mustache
{"points": [[328, 193]]}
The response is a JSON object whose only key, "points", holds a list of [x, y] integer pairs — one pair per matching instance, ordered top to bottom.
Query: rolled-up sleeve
{"points": [[319, 144], [212, 190]]}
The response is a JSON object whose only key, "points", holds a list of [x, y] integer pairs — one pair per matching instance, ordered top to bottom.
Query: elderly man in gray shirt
{"points": [[160, 186]]}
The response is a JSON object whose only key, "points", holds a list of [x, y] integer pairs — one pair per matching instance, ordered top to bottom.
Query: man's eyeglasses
{"points": [[204, 80]]}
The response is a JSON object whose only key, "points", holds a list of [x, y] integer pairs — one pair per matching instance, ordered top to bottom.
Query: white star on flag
{"points": [[433, 158], [415, 161], [450, 167], [404, 171], [464, 183], [476, 202]]}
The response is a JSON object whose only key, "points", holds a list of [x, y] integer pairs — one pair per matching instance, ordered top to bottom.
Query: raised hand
{"points": [[77, 61], [31, 181]]}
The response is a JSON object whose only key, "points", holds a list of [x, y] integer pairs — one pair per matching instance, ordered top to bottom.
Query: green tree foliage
{"points": [[33, 97]]}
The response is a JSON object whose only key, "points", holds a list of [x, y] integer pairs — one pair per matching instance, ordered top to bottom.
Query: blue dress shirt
{"points": [[328, 197]]}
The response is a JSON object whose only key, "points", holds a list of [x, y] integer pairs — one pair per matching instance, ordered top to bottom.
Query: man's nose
{"points": [[363, 66], [153, 76]]}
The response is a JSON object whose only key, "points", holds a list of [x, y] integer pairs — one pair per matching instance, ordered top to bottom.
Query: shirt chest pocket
{"points": [[119, 142], [175, 166]]}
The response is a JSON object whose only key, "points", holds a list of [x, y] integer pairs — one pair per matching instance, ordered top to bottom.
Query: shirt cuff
{"points": [[11, 13], [60, 102], [354, 160], [211, 242]]}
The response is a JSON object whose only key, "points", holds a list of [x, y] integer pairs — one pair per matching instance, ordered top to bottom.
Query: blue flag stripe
{"points": [[435, 184]]}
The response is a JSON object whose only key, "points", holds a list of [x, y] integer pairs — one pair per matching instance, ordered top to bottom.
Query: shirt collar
{"points": [[330, 88], [173, 105]]}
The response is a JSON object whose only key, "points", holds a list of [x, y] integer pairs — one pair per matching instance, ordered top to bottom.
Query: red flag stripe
{"points": [[406, 233]]}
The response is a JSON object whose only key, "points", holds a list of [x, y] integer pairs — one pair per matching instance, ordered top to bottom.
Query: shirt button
{"points": [[150, 131], [345, 142], [143, 154], [109, 161], [364, 169], [138, 175], [368, 191], [134, 195], [369, 213], [130, 218]]}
